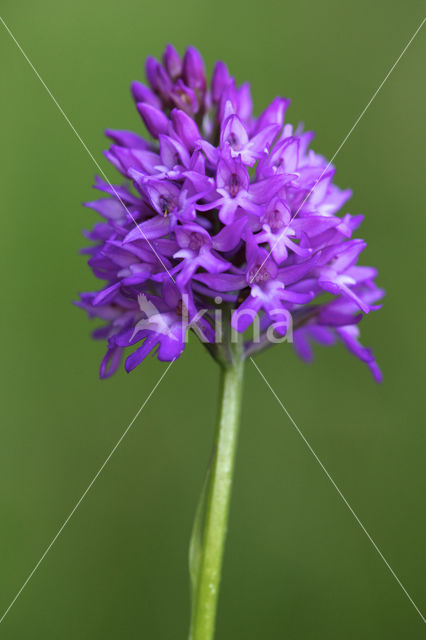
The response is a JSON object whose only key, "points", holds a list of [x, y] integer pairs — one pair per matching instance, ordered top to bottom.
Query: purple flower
{"points": [[221, 210]]}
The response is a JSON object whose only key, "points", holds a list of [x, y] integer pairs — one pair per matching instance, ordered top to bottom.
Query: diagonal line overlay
{"points": [[80, 139], [345, 139], [301, 434], [84, 494]]}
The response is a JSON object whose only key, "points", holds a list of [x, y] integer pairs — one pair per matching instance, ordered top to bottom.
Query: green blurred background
{"points": [[297, 564]]}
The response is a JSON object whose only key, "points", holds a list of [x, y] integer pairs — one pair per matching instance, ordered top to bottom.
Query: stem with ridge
{"points": [[208, 557]]}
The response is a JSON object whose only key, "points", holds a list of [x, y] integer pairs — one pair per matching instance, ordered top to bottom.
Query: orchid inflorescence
{"points": [[221, 208]]}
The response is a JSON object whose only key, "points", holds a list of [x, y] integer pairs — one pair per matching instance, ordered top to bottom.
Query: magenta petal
{"points": [[172, 61], [193, 69], [220, 80], [141, 93], [155, 120], [185, 128], [127, 139], [154, 228], [230, 236], [221, 282], [106, 294], [140, 354], [110, 362]]}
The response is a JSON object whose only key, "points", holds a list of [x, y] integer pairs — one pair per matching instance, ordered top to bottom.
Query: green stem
{"points": [[209, 563]]}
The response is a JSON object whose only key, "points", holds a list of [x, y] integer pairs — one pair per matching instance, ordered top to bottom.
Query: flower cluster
{"points": [[221, 208]]}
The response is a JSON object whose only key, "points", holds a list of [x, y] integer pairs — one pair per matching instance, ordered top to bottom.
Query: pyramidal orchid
{"points": [[229, 226]]}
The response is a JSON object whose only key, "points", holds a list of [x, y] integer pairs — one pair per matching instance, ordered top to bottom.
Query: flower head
{"points": [[220, 205]]}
